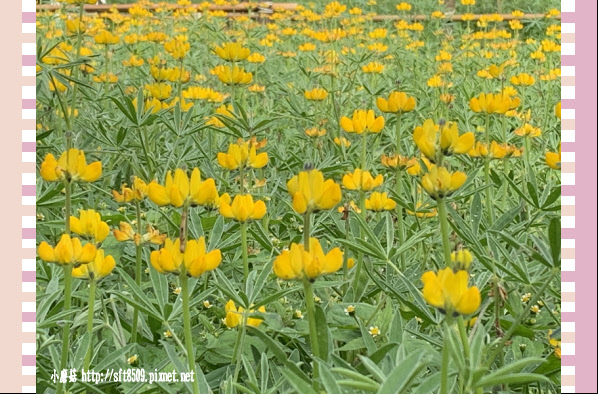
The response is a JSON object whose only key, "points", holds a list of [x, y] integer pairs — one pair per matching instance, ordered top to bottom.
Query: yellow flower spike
{"points": [[104, 37], [178, 47], [232, 52], [256, 58], [373, 68], [233, 75], [524, 79], [316, 94], [396, 102], [493, 103], [362, 121], [527, 130], [315, 132], [426, 138], [342, 141], [452, 143], [242, 154], [553, 160], [71, 166], [361, 180], [439, 182], [180, 190], [138, 191], [310, 192], [380, 202], [243, 208], [425, 211], [89, 224], [124, 232], [67, 251], [169, 258], [461, 259], [197, 260], [298, 263], [96, 270], [449, 292], [235, 316]]}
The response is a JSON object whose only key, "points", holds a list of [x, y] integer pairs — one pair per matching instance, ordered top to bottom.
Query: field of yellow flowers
{"points": [[306, 202]]}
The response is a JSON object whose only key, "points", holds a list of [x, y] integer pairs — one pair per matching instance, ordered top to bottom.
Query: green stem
{"points": [[78, 55], [363, 150], [145, 152], [241, 179], [399, 187], [489, 191], [243, 226], [306, 229], [444, 230], [360, 255], [138, 257], [90, 307], [67, 324], [187, 325], [313, 333], [463, 335], [239, 348], [445, 363]]}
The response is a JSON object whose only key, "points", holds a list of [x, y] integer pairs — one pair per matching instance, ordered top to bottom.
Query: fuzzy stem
{"points": [[399, 187], [243, 226], [444, 230], [138, 256], [90, 307], [187, 325], [313, 333], [445, 363]]}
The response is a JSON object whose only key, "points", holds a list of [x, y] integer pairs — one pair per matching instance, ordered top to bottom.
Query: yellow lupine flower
{"points": [[104, 37], [178, 47], [232, 52], [256, 58], [373, 68], [233, 75], [523, 79], [160, 91], [316, 94], [397, 102], [493, 103], [224, 110], [362, 121], [527, 130], [315, 132], [426, 138], [342, 141], [453, 143], [242, 154], [553, 159], [71, 166], [361, 180], [439, 182], [181, 189], [138, 191], [310, 192], [380, 202], [243, 208], [89, 224], [125, 232], [67, 251], [461, 259], [197, 261], [297, 263], [100, 267], [449, 292], [235, 316]]}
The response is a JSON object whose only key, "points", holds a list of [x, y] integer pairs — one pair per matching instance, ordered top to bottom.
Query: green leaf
{"points": [[476, 213], [506, 218], [554, 237], [322, 332], [280, 354], [113, 357], [372, 368], [401, 376], [328, 380], [297, 382]]}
